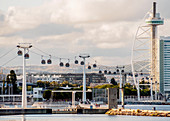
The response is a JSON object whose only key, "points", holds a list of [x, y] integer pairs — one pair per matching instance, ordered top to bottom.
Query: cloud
{"points": [[75, 11], [86, 11], [103, 28], [45, 30], [115, 60]]}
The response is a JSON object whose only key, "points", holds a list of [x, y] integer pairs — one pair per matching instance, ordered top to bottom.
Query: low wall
{"points": [[24, 111], [92, 111]]}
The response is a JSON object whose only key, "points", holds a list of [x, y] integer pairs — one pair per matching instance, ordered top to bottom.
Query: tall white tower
{"points": [[153, 21], [145, 55]]}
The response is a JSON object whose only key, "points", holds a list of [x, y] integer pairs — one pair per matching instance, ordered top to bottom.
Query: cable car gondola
{"points": [[19, 53], [26, 56], [43, 61], [49, 61], [76, 62], [82, 63], [61, 64], [67, 65], [94, 65], [117, 70], [105, 71], [136, 75]]}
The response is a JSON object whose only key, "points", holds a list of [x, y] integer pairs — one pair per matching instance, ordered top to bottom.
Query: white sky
{"points": [[105, 29]]}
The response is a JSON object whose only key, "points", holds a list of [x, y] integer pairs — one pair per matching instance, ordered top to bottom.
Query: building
{"points": [[165, 65], [72, 78], [76, 78], [38, 93]]}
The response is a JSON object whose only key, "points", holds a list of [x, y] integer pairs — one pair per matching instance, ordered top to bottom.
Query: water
{"points": [[142, 107], [148, 107], [80, 117], [91, 117]]}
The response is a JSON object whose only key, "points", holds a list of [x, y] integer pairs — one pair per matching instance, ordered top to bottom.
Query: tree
{"points": [[11, 80], [113, 81], [144, 82], [65, 83], [40, 84], [47, 84], [54, 84], [3, 86], [104, 86], [129, 90], [47, 94]]}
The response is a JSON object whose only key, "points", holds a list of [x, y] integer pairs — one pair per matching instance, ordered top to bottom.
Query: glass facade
{"points": [[165, 65]]}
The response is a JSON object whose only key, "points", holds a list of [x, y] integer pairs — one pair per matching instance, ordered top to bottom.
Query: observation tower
{"points": [[153, 21], [145, 57]]}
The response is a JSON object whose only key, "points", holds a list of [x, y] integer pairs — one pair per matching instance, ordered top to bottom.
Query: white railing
{"points": [[135, 98]]}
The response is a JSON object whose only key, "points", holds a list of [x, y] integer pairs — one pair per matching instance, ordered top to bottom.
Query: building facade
{"points": [[165, 65], [72, 78], [76, 78]]}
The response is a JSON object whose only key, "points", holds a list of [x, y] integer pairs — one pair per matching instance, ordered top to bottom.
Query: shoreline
{"points": [[138, 112]]}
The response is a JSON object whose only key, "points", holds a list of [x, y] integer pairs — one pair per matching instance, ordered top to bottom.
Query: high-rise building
{"points": [[165, 65]]}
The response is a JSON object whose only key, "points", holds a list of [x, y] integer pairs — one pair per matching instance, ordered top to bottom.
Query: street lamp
{"points": [[25, 47], [84, 56], [120, 70], [10, 86], [156, 90]]}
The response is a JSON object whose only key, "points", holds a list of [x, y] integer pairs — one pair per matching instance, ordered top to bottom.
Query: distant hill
{"points": [[72, 69]]}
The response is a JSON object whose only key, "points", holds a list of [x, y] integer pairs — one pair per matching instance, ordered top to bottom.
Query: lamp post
{"points": [[25, 47], [84, 56], [120, 70], [10, 85], [151, 89], [155, 90]]}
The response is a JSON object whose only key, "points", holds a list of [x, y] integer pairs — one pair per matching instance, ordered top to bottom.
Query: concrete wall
{"points": [[112, 98], [24, 111], [91, 111]]}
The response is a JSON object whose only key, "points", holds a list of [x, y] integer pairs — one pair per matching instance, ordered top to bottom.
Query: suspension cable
{"points": [[7, 52], [48, 54], [9, 61]]}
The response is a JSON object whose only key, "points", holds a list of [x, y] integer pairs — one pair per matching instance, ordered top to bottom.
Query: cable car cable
{"points": [[7, 52], [9, 61]]}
